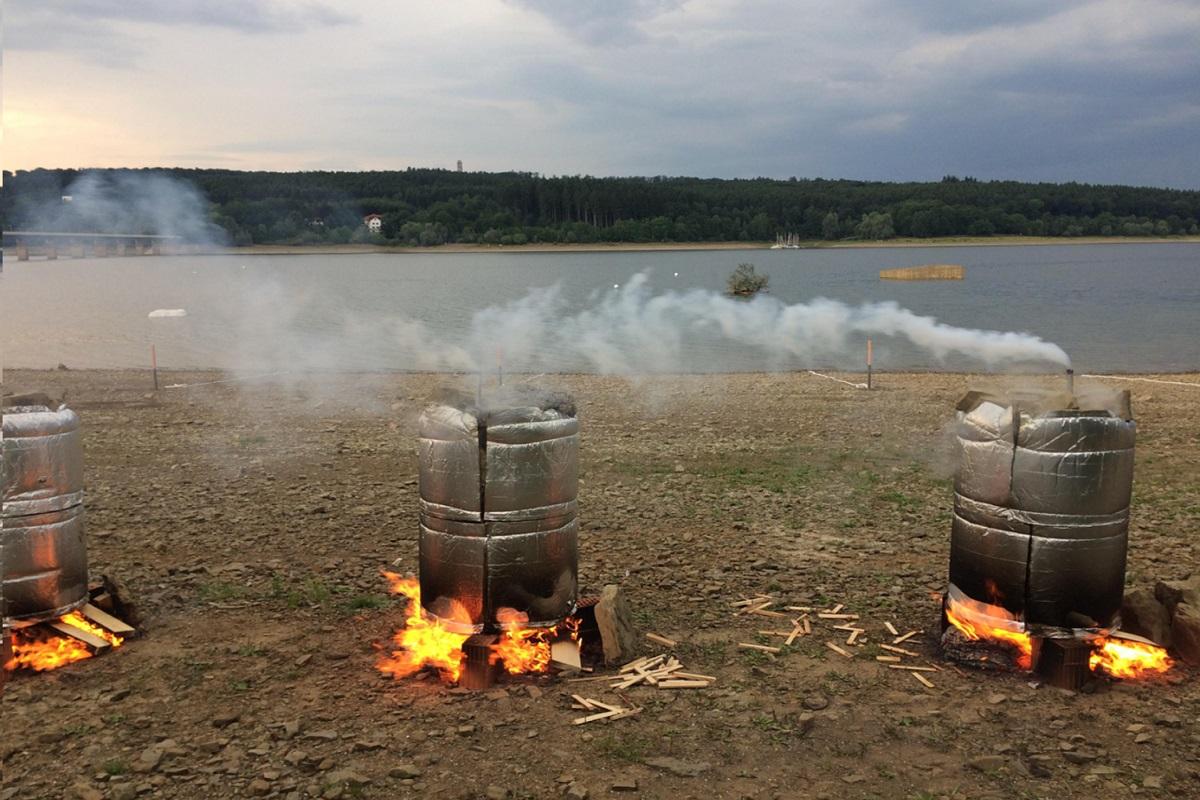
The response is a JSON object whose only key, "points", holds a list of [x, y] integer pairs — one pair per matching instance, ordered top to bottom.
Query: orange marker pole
{"points": [[870, 358], [154, 365]]}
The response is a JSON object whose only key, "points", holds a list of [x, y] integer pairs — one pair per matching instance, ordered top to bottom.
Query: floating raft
{"points": [[928, 272]]}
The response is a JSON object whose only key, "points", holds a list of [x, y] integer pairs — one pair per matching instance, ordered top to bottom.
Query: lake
{"points": [[1111, 307]]}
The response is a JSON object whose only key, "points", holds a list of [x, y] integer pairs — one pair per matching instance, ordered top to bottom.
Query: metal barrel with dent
{"points": [[1041, 509], [498, 527], [44, 573]]}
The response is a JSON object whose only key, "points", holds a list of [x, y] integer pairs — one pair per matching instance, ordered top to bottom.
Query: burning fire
{"points": [[977, 620], [421, 641], [424, 642], [35, 651], [1127, 658]]}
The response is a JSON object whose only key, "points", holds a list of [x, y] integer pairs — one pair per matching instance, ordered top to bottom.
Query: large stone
{"points": [[1172, 593], [1143, 614], [1185, 632], [618, 634], [675, 766]]}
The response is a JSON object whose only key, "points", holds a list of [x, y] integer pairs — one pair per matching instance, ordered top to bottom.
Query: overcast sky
{"points": [[1103, 91]]}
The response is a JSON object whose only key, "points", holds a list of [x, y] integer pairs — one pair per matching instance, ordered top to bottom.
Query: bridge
{"points": [[52, 244]]}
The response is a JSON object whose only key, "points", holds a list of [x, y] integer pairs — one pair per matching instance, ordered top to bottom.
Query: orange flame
{"points": [[974, 619], [423, 642], [33, 650], [1127, 658]]}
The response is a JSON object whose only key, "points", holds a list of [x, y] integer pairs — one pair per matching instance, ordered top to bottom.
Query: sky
{"points": [[1099, 91]]}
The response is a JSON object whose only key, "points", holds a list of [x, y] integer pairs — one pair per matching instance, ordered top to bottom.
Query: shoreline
{"points": [[650, 247]]}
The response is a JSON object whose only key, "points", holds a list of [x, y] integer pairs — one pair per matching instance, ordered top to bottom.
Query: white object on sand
{"points": [[168, 312]]}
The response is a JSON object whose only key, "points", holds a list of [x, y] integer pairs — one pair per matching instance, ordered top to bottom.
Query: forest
{"points": [[429, 207]]}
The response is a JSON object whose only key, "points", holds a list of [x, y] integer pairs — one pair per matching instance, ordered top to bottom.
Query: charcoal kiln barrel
{"points": [[1041, 509], [498, 527], [44, 572]]}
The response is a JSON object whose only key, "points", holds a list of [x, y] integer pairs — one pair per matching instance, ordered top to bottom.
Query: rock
{"points": [[1172, 593], [1143, 614], [1185, 632], [618, 634], [816, 702], [225, 720], [1079, 756], [295, 757], [149, 759], [987, 763], [684, 769], [405, 771], [347, 777], [1152, 782], [624, 783], [259, 787], [122, 791], [577, 791], [84, 792], [496, 793]]}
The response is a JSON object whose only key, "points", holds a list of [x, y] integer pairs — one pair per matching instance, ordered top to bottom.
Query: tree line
{"points": [[430, 207]]}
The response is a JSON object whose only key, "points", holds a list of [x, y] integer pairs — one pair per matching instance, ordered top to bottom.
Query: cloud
{"points": [[248, 16], [600, 21]]}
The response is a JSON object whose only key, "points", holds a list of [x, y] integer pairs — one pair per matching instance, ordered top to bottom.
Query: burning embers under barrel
{"points": [[498, 532], [1039, 536]]}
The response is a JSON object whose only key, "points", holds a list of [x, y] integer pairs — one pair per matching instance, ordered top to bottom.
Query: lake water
{"points": [[1115, 307]]}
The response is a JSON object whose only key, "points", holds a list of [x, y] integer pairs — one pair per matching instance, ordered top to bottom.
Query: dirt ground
{"points": [[252, 521]]}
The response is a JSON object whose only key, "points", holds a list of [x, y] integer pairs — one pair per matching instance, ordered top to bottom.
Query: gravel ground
{"points": [[252, 521]]}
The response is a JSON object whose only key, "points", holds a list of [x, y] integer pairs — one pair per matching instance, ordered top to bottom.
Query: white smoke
{"points": [[125, 201], [629, 331]]}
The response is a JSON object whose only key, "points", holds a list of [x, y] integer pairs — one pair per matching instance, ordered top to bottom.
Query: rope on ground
{"points": [[225, 380], [839, 380], [1147, 380]]}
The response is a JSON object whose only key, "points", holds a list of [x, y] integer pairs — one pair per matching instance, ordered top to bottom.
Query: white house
{"points": [[373, 223]]}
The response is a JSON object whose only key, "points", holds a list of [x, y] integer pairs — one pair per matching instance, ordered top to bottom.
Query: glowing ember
{"points": [[980, 621], [423, 642], [33, 649], [1126, 658]]}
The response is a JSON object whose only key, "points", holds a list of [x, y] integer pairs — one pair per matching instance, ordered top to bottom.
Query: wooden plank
{"points": [[831, 615], [107, 621], [891, 629], [905, 637], [93, 641], [664, 641], [762, 647], [565, 655], [889, 659], [911, 668], [696, 677], [683, 684], [594, 717]]}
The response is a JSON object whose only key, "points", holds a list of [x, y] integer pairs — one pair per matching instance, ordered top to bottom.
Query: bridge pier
{"points": [[22, 251], [51, 252]]}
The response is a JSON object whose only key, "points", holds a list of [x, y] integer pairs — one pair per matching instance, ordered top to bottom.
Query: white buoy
{"points": [[676, 274], [616, 286], [168, 312]]}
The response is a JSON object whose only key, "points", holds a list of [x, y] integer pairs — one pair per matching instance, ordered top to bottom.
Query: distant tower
{"points": [[460, 165]]}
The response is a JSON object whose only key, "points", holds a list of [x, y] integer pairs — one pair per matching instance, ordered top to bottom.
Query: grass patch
{"points": [[219, 591], [310, 592], [361, 602], [630, 747], [115, 767]]}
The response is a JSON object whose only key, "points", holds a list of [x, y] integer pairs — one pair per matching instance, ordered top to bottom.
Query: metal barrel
{"points": [[1041, 511], [498, 529], [44, 573]]}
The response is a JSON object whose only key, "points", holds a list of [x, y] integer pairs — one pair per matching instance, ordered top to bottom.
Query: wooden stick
{"points": [[751, 601], [797, 608], [755, 609], [836, 609], [762, 612], [831, 615], [807, 625], [891, 629], [796, 631], [854, 634], [905, 637], [93, 641], [664, 641], [762, 647], [838, 650], [899, 650], [890, 659], [645, 662], [911, 668], [696, 677], [928, 683], [683, 684], [594, 717]]}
